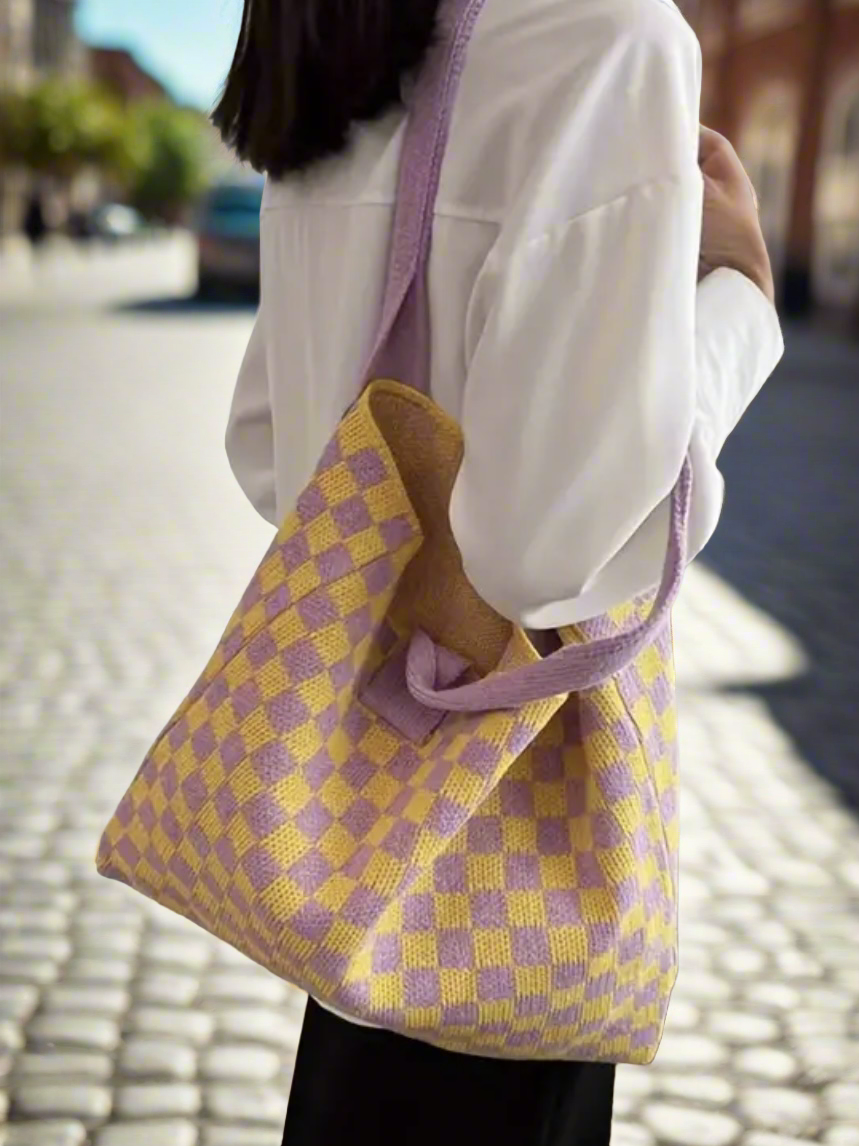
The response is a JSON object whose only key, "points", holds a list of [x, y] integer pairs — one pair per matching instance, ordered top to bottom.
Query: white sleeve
{"points": [[599, 366], [249, 438]]}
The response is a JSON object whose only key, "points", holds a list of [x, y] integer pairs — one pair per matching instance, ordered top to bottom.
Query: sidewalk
{"points": [[124, 543]]}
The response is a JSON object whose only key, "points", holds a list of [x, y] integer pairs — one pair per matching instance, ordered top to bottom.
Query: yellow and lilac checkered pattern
{"points": [[503, 886]]}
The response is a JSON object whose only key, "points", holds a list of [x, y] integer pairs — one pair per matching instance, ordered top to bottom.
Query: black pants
{"points": [[355, 1085]]}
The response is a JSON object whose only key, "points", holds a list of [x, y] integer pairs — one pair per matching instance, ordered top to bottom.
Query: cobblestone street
{"points": [[125, 544]]}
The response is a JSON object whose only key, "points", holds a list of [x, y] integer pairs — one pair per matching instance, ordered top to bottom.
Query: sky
{"points": [[186, 44]]}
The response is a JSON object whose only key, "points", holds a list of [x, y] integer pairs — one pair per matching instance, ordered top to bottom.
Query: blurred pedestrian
{"points": [[35, 224], [583, 334]]}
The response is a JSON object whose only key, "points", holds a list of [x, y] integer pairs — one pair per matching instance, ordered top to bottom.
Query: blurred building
{"points": [[117, 70], [781, 79]]}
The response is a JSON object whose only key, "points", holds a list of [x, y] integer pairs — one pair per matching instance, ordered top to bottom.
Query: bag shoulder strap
{"points": [[402, 346]]}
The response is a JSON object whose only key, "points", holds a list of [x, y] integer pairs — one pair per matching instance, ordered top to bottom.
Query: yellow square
{"points": [[336, 484], [383, 501], [322, 534], [366, 546], [271, 574], [304, 580], [348, 593], [254, 619], [287, 628], [649, 664], [238, 670], [271, 680], [318, 693], [643, 715], [223, 721], [256, 731], [303, 743], [379, 744], [339, 746], [463, 787], [381, 790], [292, 793], [336, 795], [550, 799], [419, 805], [378, 832], [519, 835], [337, 845], [485, 873], [383, 874], [336, 891], [282, 897], [597, 905], [526, 909], [452, 910], [345, 938], [568, 944], [492, 947], [420, 950], [533, 980], [457, 986], [386, 990]]}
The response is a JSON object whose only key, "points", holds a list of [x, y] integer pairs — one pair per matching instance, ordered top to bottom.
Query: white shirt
{"points": [[570, 339]]}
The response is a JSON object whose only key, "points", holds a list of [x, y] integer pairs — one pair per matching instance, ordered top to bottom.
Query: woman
{"points": [[584, 335]]}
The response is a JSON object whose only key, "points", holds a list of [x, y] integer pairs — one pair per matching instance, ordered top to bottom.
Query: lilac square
{"points": [[367, 468], [311, 503], [351, 516], [396, 532], [295, 552], [334, 563], [379, 575], [253, 594], [277, 602], [317, 610], [358, 624], [233, 643], [262, 649], [302, 661], [342, 674], [217, 693], [246, 699], [287, 712], [328, 720], [355, 724], [178, 734], [624, 734], [521, 735], [203, 743], [232, 751], [480, 756], [272, 762], [405, 764], [548, 764], [318, 769], [358, 771], [616, 782], [195, 792], [577, 797], [517, 798], [225, 803], [125, 811], [146, 813], [263, 815], [359, 818], [445, 818], [314, 820], [170, 826], [607, 833], [485, 836], [553, 836], [400, 840], [199, 841], [127, 851], [226, 853], [356, 865], [261, 868], [182, 870], [310, 872], [521, 872], [450, 874], [590, 874], [363, 907], [563, 908], [488, 909], [419, 912], [312, 921], [602, 938], [530, 947], [455, 949], [387, 954], [565, 976], [495, 984], [600, 986], [422, 988], [531, 1006], [460, 1015]]}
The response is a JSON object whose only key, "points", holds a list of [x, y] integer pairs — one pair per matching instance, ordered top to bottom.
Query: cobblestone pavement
{"points": [[124, 545]]}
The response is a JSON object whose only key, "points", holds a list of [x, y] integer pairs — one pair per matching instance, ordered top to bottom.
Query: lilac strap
{"points": [[402, 346], [402, 351], [574, 667]]}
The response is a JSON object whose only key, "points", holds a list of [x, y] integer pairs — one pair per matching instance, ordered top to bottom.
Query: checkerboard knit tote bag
{"points": [[377, 788]]}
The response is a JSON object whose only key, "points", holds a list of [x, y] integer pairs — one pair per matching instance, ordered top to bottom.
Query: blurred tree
{"points": [[59, 127], [170, 159]]}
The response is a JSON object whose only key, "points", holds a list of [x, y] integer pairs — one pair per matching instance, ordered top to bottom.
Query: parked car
{"points": [[228, 235]]}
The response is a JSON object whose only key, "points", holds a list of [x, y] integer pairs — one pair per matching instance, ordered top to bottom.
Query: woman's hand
{"points": [[732, 235]]}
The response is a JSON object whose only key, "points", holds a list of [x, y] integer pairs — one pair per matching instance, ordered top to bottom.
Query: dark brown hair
{"points": [[306, 70]]}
